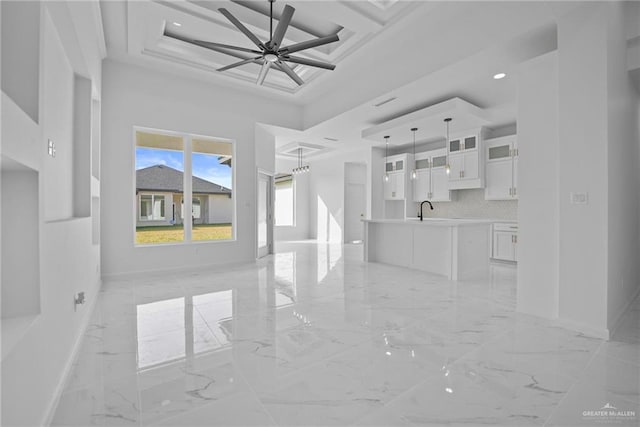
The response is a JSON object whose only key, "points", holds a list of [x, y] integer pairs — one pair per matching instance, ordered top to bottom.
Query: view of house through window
{"points": [[284, 201], [162, 216]]}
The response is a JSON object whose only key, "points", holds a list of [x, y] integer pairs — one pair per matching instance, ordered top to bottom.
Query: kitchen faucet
{"points": [[426, 201]]}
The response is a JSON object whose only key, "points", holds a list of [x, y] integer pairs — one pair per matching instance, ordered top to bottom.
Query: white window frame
{"points": [[187, 195]]}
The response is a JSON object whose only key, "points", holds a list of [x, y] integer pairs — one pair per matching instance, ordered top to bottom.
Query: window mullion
{"points": [[187, 185]]}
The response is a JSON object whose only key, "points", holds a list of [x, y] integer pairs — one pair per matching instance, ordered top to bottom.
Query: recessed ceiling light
{"points": [[177, 24], [499, 76]]}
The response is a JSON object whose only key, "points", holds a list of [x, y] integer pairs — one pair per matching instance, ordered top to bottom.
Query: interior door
{"points": [[355, 201], [354, 212], [265, 215]]}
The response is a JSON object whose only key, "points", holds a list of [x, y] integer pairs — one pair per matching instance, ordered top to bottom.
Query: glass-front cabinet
{"points": [[466, 160], [501, 168], [431, 181], [395, 182]]}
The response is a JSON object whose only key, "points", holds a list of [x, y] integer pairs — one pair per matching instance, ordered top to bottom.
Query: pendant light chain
{"points": [[386, 155], [448, 166], [300, 168], [414, 173]]}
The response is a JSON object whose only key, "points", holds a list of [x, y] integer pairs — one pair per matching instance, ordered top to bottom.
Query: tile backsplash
{"points": [[471, 204]]}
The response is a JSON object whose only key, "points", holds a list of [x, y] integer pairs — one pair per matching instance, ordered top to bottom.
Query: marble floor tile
{"points": [[312, 335]]}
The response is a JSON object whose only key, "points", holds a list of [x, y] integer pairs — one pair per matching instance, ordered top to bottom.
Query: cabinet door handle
{"points": [[510, 191], [514, 191]]}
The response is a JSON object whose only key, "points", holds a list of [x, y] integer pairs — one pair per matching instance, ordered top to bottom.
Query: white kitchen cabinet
{"points": [[466, 161], [395, 168], [501, 169], [431, 181], [422, 185], [394, 187], [505, 242]]}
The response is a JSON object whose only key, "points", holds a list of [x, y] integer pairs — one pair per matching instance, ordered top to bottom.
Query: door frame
{"points": [[363, 167], [270, 206]]}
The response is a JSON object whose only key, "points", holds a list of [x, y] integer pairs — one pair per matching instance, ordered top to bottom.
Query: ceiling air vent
{"points": [[381, 103]]}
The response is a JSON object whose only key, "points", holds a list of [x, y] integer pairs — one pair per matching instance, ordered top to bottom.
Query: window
{"points": [[180, 201], [285, 201], [152, 207]]}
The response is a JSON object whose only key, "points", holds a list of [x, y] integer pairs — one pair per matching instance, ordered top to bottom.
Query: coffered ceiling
{"points": [[143, 25], [394, 58]]}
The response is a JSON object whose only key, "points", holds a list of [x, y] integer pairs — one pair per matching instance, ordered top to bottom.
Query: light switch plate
{"points": [[51, 148], [579, 198]]}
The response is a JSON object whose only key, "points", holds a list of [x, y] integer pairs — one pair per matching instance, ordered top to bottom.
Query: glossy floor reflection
{"points": [[314, 336]]}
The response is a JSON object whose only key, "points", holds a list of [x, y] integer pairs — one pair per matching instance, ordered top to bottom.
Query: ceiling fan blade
{"points": [[241, 27], [282, 27], [309, 44], [205, 45], [224, 46], [309, 62], [237, 64], [287, 70], [263, 72]]}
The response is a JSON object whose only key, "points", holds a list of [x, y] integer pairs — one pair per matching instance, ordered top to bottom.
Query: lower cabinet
{"points": [[505, 242]]}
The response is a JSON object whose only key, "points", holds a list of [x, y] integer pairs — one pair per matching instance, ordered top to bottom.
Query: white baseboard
{"points": [[630, 301], [582, 328], [53, 404]]}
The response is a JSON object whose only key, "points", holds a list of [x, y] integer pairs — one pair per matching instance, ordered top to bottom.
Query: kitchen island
{"points": [[455, 248]]}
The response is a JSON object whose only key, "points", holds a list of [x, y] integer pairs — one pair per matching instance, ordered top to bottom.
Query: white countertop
{"points": [[438, 222]]}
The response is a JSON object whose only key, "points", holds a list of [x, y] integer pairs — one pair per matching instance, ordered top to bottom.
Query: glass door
{"points": [[264, 215]]}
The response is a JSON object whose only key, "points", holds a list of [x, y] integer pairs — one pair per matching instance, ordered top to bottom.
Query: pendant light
{"points": [[386, 154], [447, 167], [300, 168], [414, 174]]}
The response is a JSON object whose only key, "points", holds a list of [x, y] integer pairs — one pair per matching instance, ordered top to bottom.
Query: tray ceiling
{"points": [[356, 23]]}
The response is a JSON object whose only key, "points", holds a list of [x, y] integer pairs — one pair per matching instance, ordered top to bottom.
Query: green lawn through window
{"points": [[175, 233]]}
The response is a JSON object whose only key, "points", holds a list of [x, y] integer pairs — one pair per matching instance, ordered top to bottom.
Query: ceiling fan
{"points": [[270, 53]]}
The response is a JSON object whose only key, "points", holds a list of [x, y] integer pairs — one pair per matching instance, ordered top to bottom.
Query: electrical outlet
{"points": [[579, 198]]}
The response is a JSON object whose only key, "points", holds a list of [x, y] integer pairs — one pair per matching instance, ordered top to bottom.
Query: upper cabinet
{"points": [[466, 160], [501, 168], [431, 181], [395, 183]]}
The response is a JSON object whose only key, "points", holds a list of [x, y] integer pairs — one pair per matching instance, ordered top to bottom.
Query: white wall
{"points": [[582, 76], [21, 82], [135, 96], [57, 121], [622, 158], [327, 194], [302, 198], [538, 204], [578, 262], [33, 371]]}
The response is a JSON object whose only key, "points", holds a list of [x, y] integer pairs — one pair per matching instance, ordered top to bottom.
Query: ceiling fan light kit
{"points": [[268, 54]]}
